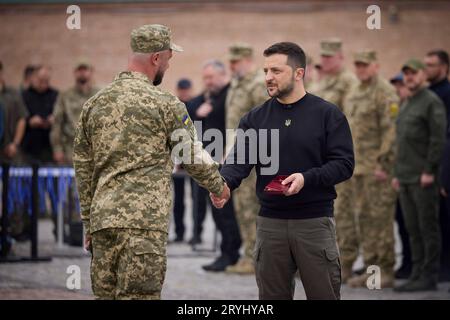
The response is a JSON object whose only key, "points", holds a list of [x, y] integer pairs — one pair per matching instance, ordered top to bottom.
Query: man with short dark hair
{"points": [[437, 68], [295, 226]]}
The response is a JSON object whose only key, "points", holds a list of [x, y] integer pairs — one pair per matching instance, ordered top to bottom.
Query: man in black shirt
{"points": [[437, 67], [39, 99], [295, 229]]}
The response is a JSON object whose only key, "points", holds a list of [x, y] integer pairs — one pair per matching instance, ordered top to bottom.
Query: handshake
{"points": [[220, 201]]}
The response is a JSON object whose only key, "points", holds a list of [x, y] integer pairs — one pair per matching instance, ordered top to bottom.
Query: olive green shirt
{"points": [[421, 130]]}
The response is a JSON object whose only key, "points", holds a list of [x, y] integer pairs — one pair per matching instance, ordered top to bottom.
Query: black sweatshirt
{"points": [[314, 139]]}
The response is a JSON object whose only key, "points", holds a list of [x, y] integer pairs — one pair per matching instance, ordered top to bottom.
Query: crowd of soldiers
{"points": [[399, 130], [388, 173]]}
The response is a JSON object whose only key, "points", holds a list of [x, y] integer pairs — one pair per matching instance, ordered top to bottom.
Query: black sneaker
{"points": [[177, 239], [195, 240], [220, 264]]}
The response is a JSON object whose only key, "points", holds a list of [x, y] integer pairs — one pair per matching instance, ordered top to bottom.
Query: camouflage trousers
{"points": [[246, 206], [365, 210], [128, 263]]}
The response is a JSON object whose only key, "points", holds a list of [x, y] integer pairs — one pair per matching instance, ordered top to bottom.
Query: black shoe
{"points": [[177, 239], [195, 240], [219, 265], [360, 271], [404, 272], [417, 285]]}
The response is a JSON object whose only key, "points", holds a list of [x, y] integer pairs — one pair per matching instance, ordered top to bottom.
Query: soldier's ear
{"points": [[154, 58]]}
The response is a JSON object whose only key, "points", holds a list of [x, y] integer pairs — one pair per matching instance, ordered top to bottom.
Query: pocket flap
{"points": [[144, 246], [331, 253]]}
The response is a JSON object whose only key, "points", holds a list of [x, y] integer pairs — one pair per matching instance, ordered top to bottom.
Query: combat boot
{"points": [[244, 266], [358, 281], [422, 284]]}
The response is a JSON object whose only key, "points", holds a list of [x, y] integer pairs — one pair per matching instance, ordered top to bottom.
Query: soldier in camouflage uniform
{"points": [[334, 86], [247, 90], [371, 107], [67, 112], [125, 144]]}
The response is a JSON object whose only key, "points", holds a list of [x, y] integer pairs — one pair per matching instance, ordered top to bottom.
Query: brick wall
{"points": [[38, 33]]}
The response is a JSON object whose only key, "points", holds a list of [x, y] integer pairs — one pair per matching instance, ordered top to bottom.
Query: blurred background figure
{"points": [[436, 69], [310, 73], [27, 74], [334, 85], [247, 91], [184, 92], [39, 99], [371, 107], [209, 108], [67, 111], [13, 125], [421, 131], [404, 271]]}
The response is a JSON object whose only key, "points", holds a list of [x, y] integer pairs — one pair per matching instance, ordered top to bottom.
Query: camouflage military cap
{"points": [[152, 38], [329, 47], [240, 50], [366, 56], [83, 63], [413, 64]]}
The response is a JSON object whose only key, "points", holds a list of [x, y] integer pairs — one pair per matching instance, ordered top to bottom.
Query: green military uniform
{"points": [[334, 88], [244, 94], [371, 108], [14, 111], [66, 113], [421, 129], [123, 162]]}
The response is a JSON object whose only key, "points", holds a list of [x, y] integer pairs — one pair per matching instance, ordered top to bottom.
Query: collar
{"points": [[132, 75]]}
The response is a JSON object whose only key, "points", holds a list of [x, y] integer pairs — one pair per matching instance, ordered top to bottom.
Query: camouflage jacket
{"points": [[334, 88], [244, 94], [371, 109], [66, 113], [122, 155]]}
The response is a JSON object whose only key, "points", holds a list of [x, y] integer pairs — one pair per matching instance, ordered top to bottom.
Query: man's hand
{"points": [[204, 110], [36, 122], [11, 150], [59, 157], [380, 175], [426, 180], [297, 182], [395, 184], [444, 193], [220, 201], [88, 243]]}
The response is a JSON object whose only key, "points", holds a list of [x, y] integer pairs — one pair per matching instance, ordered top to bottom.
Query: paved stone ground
{"points": [[185, 279]]}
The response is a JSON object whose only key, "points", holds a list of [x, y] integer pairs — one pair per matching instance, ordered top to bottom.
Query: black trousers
{"points": [[199, 199], [178, 206], [444, 219], [404, 237]]}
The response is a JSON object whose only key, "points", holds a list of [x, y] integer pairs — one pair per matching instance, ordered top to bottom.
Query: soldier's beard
{"points": [[158, 78]]}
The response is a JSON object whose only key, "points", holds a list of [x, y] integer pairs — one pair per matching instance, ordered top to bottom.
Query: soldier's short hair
{"points": [[296, 55], [442, 56], [216, 64], [28, 71]]}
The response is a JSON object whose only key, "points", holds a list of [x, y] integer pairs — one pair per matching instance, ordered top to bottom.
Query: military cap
{"points": [[152, 38], [329, 47], [240, 50], [365, 56], [83, 63], [414, 64], [397, 78], [184, 84]]}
